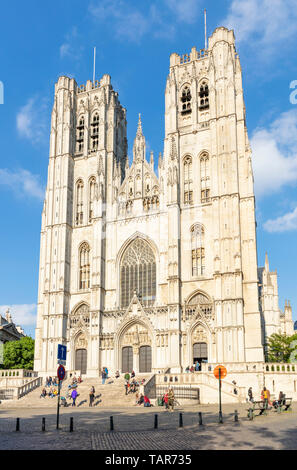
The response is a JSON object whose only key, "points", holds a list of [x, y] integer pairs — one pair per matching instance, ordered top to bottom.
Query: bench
{"points": [[285, 405], [260, 406]]}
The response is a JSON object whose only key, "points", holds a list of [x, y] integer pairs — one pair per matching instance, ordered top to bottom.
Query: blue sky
{"points": [[134, 41]]}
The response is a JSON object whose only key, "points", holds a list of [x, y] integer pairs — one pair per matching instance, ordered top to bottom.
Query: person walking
{"points": [[103, 374], [92, 395], [250, 395], [74, 396], [266, 397], [170, 399], [166, 400]]}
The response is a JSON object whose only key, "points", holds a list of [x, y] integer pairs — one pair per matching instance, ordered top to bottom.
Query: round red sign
{"points": [[61, 372], [223, 372]]}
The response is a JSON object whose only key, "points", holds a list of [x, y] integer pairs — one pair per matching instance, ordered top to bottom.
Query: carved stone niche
{"points": [[136, 335], [199, 335], [81, 342]]}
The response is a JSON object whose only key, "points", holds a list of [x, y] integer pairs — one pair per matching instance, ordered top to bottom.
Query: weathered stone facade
{"points": [[143, 271]]}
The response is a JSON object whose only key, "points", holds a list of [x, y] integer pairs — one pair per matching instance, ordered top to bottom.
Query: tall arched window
{"points": [[203, 96], [186, 100], [80, 130], [95, 132], [204, 178], [188, 181], [92, 185], [79, 203], [198, 252], [84, 267], [138, 273]]}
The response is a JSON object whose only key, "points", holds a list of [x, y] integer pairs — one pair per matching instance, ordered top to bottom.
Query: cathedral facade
{"points": [[154, 272]]}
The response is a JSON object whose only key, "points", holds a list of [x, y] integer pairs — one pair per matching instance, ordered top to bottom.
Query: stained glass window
{"points": [[138, 273]]}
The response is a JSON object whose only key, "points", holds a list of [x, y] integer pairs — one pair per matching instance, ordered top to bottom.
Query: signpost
{"points": [[220, 373], [61, 374]]}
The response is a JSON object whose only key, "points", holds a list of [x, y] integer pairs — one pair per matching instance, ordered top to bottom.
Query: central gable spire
{"points": [[139, 143]]}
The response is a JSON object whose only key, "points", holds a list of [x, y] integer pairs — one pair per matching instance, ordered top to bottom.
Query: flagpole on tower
{"points": [[205, 34], [94, 68]]}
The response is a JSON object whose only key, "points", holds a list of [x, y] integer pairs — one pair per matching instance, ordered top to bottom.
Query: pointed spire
{"points": [[139, 128], [139, 143], [152, 159], [160, 160], [127, 163], [266, 262]]}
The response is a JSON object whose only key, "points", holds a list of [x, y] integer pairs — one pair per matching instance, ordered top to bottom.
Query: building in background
{"points": [[149, 272], [8, 330]]}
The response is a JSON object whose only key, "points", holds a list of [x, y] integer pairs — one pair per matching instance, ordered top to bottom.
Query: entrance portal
{"points": [[200, 353], [127, 359], [145, 359], [81, 360]]}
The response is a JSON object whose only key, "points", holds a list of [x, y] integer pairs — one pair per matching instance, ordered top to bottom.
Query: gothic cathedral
{"points": [[154, 272]]}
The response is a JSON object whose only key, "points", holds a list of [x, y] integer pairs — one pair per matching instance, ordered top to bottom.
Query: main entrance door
{"points": [[200, 353], [127, 359], [145, 359], [81, 360]]}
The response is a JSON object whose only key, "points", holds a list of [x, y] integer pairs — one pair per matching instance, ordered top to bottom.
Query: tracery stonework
{"points": [[172, 253], [137, 335]]}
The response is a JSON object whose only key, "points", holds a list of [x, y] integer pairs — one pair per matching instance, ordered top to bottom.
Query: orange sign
{"points": [[223, 372]]}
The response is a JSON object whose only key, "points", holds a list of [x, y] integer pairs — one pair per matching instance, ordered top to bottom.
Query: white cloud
{"points": [[185, 11], [128, 23], [265, 23], [131, 24], [70, 48], [31, 120], [275, 154], [22, 183], [284, 223], [22, 314]]}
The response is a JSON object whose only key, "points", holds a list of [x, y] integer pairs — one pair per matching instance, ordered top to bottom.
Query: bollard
{"points": [[250, 414], [236, 416], [220, 417], [200, 418], [180, 420], [156, 422], [111, 423], [17, 424], [43, 424], [71, 425]]}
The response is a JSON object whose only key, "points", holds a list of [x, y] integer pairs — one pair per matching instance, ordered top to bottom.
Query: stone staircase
{"points": [[110, 395]]}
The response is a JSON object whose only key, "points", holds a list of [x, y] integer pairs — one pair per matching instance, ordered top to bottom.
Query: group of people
{"points": [[194, 368], [104, 374], [133, 386], [265, 397], [168, 399]]}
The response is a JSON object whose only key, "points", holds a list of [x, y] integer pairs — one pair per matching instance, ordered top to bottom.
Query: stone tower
{"points": [[88, 147], [210, 180]]}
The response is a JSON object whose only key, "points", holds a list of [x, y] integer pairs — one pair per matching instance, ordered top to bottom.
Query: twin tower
{"points": [[143, 271]]}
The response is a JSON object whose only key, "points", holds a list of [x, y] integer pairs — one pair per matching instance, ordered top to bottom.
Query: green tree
{"points": [[281, 348], [19, 354]]}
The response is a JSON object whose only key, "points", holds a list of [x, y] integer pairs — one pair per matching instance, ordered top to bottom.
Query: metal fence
{"points": [[183, 393], [6, 394]]}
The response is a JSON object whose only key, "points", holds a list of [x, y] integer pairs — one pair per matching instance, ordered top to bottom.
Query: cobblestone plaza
{"points": [[134, 430]]}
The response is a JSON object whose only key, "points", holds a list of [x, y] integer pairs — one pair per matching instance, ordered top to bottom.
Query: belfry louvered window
{"points": [[203, 96], [186, 99], [95, 132], [80, 135], [198, 250], [84, 271], [138, 273]]}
